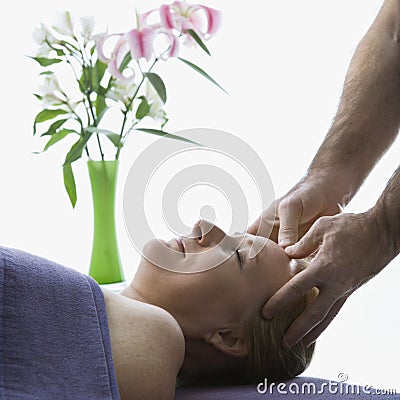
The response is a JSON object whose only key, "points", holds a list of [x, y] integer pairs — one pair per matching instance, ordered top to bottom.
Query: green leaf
{"points": [[196, 37], [60, 52], [45, 62], [125, 62], [202, 72], [47, 73], [97, 73], [84, 81], [158, 85], [101, 90], [38, 96], [101, 107], [143, 108], [46, 115], [164, 122], [54, 126], [168, 135], [57, 136], [114, 137], [76, 150], [69, 183]]}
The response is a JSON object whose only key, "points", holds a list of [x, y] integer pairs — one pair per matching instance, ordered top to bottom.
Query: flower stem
{"points": [[127, 109], [95, 124]]}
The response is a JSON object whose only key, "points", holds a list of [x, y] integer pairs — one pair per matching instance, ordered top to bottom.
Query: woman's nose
{"points": [[207, 234]]}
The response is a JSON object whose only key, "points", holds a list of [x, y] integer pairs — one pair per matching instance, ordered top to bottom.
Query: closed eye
{"points": [[239, 257]]}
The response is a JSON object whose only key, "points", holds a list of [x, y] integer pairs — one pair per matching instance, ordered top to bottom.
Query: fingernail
{"points": [[284, 242], [289, 249]]}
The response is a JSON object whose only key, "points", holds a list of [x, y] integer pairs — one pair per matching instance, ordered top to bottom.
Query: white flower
{"points": [[65, 25], [87, 27], [43, 35], [43, 51], [49, 85], [122, 90], [51, 100], [156, 105], [71, 106]]}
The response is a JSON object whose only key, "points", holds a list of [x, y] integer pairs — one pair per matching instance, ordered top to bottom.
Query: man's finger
{"points": [[289, 212], [263, 225], [252, 229], [306, 245], [288, 294], [314, 314], [312, 336]]}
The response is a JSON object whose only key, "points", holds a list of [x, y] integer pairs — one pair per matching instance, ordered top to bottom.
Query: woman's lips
{"points": [[176, 244], [181, 244]]}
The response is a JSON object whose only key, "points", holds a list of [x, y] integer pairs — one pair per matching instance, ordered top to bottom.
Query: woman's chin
{"points": [[153, 247], [158, 253]]}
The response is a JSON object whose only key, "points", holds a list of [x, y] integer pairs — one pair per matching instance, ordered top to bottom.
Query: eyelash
{"points": [[239, 258]]}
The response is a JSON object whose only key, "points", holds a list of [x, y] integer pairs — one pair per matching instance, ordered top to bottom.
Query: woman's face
{"points": [[231, 280]]}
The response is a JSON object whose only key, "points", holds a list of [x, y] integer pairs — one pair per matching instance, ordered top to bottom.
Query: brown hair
{"points": [[266, 357]]}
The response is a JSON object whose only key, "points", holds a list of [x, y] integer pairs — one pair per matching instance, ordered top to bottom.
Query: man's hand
{"points": [[291, 216], [352, 248]]}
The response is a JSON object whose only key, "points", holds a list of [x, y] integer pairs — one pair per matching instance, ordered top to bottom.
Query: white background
{"points": [[283, 64]]}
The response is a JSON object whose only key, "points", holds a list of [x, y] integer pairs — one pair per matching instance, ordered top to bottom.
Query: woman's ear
{"points": [[229, 341]]}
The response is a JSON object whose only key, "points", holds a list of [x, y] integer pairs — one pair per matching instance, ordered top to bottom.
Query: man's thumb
{"points": [[289, 218], [304, 247]]}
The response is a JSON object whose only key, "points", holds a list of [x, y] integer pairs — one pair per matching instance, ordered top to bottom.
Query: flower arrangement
{"points": [[121, 78]]}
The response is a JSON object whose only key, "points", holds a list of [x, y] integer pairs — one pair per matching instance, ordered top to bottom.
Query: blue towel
{"points": [[54, 337]]}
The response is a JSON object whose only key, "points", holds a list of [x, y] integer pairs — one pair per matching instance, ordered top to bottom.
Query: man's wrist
{"points": [[388, 235]]}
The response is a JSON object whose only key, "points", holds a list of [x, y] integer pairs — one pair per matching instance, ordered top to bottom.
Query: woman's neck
{"points": [[164, 291], [134, 294]]}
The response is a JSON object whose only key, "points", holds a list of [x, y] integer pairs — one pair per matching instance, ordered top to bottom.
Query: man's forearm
{"points": [[368, 116], [387, 213]]}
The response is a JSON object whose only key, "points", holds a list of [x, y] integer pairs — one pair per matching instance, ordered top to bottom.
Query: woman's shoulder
{"points": [[148, 347]]}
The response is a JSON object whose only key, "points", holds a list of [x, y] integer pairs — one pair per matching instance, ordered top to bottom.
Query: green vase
{"points": [[105, 263]]}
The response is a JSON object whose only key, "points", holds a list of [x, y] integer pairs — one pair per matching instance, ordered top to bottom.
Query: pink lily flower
{"points": [[183, 16], [100, 39], [172, 40], [138, 42], [141, 42], [171, 45], [117, 55]]}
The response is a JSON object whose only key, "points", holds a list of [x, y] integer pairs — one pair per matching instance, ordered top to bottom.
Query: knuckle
{"points": [[291, 202], [322, 223], [320, 228], [286, 229], [331, 280], [297, 290]]}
